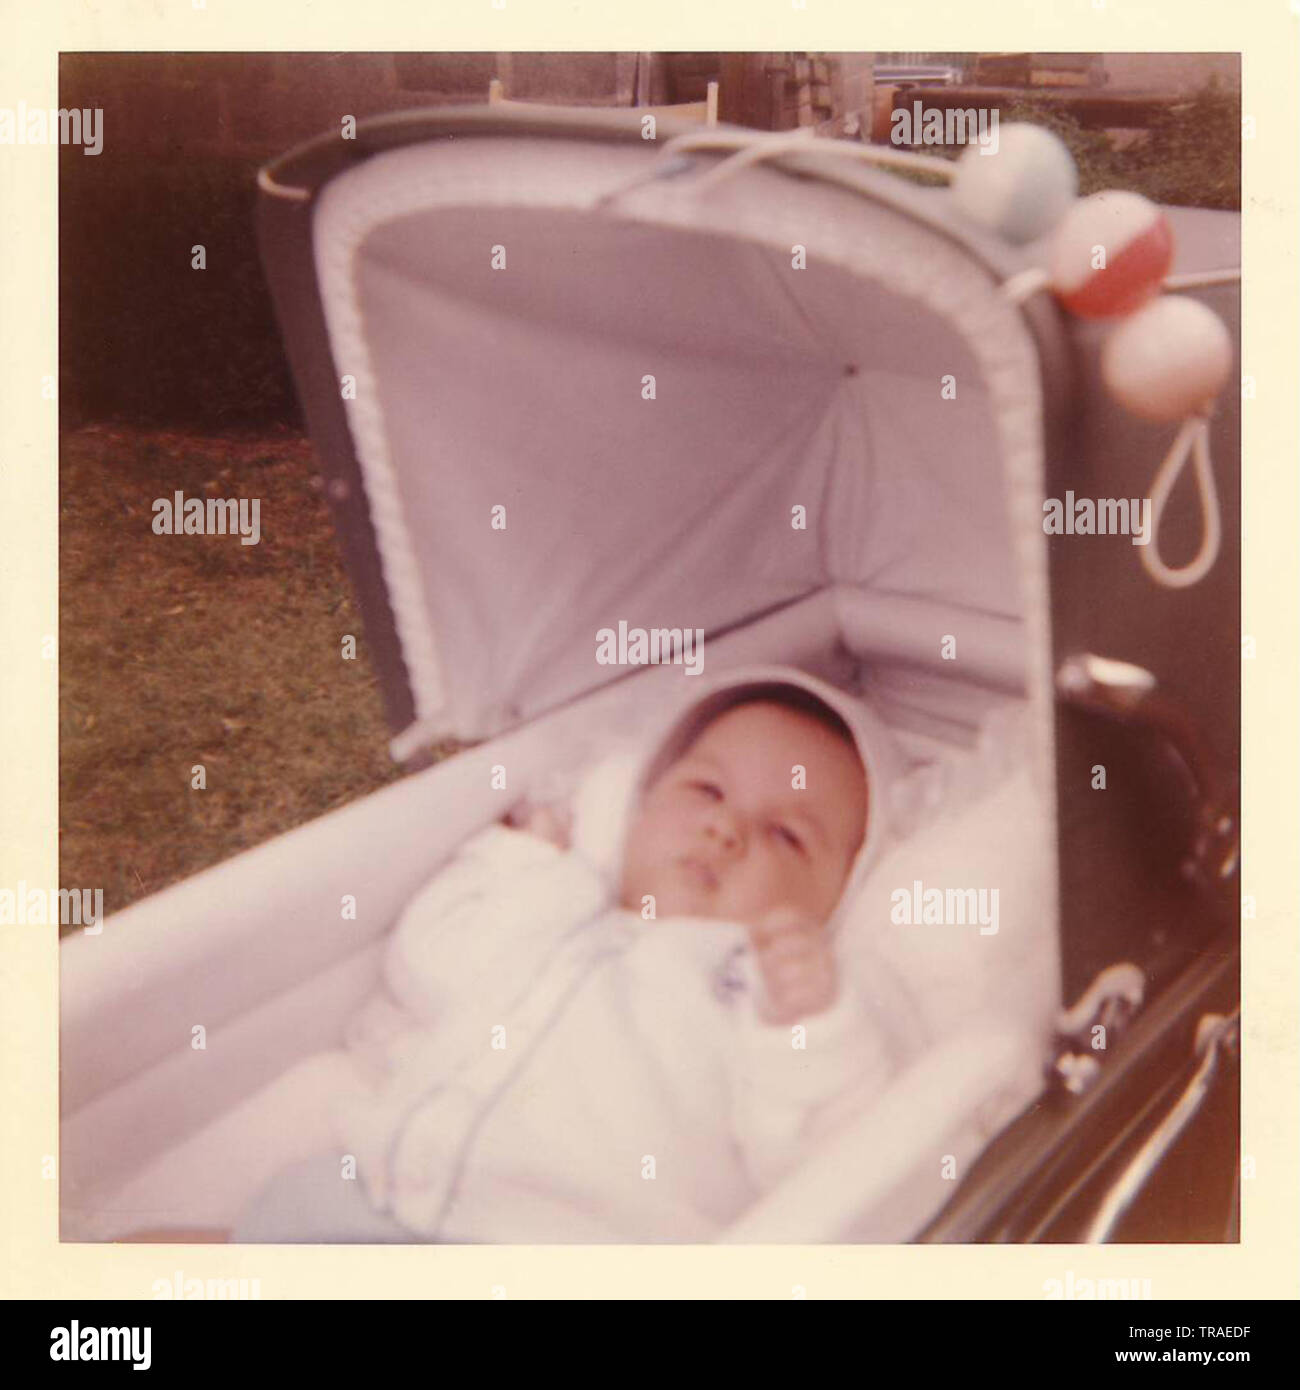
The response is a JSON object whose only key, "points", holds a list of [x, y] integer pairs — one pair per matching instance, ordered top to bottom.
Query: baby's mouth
{"points": [[698, 872]]}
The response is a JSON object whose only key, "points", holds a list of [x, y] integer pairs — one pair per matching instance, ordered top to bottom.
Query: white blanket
{"points": [[542, 1066]]}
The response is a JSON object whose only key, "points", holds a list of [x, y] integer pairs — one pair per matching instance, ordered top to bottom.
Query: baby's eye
{"points": [[710, 789], [785, 834]]}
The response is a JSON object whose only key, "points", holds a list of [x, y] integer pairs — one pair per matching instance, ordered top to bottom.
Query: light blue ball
{"points": [[1021, 187]]}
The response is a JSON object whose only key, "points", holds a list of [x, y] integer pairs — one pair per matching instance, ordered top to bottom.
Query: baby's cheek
{"points": [[642, 873], [800, 885], [830, 889]]}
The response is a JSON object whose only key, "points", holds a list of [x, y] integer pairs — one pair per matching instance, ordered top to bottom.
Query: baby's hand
{"points": [[551, 823], [795, 964]]}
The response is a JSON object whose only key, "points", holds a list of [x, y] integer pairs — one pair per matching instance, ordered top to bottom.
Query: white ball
{"points": [[1023, 189], [1168, 360]]}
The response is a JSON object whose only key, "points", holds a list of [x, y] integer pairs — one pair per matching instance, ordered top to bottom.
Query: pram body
{"points": [[474, 301]]}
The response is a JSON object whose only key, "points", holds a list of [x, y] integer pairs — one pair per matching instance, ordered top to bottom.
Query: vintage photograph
{"points": [[649, 647]]}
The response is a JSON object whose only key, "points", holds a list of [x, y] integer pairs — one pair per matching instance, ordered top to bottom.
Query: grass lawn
{"points": [[177, 650]]}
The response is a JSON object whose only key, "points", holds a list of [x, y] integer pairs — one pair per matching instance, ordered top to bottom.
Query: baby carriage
{"points": [[796, 408]]}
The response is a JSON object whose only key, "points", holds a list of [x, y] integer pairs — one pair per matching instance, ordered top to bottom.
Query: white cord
{"points": [[749, 147], [868, 154], [1194, 279], [1029, 281], [1024, 283], [1193, 438]]}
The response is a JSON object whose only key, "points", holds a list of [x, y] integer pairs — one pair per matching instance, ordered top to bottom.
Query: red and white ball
{"points": [[1110, 254], [1169, 360]]}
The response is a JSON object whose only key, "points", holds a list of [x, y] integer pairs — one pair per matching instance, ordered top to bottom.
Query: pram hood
{"points": [[561, 414], [608, 796]]}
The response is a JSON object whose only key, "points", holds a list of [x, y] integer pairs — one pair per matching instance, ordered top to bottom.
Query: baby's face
{"points": [[723, 833]]}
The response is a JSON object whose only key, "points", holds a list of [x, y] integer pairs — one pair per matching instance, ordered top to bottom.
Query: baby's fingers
{"points": [[783, 921], [794, 945], [792, 974], [798, 999]]}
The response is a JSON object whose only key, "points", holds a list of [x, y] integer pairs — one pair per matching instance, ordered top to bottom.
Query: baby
{"points": [[723, 832], [629, 1044]]}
